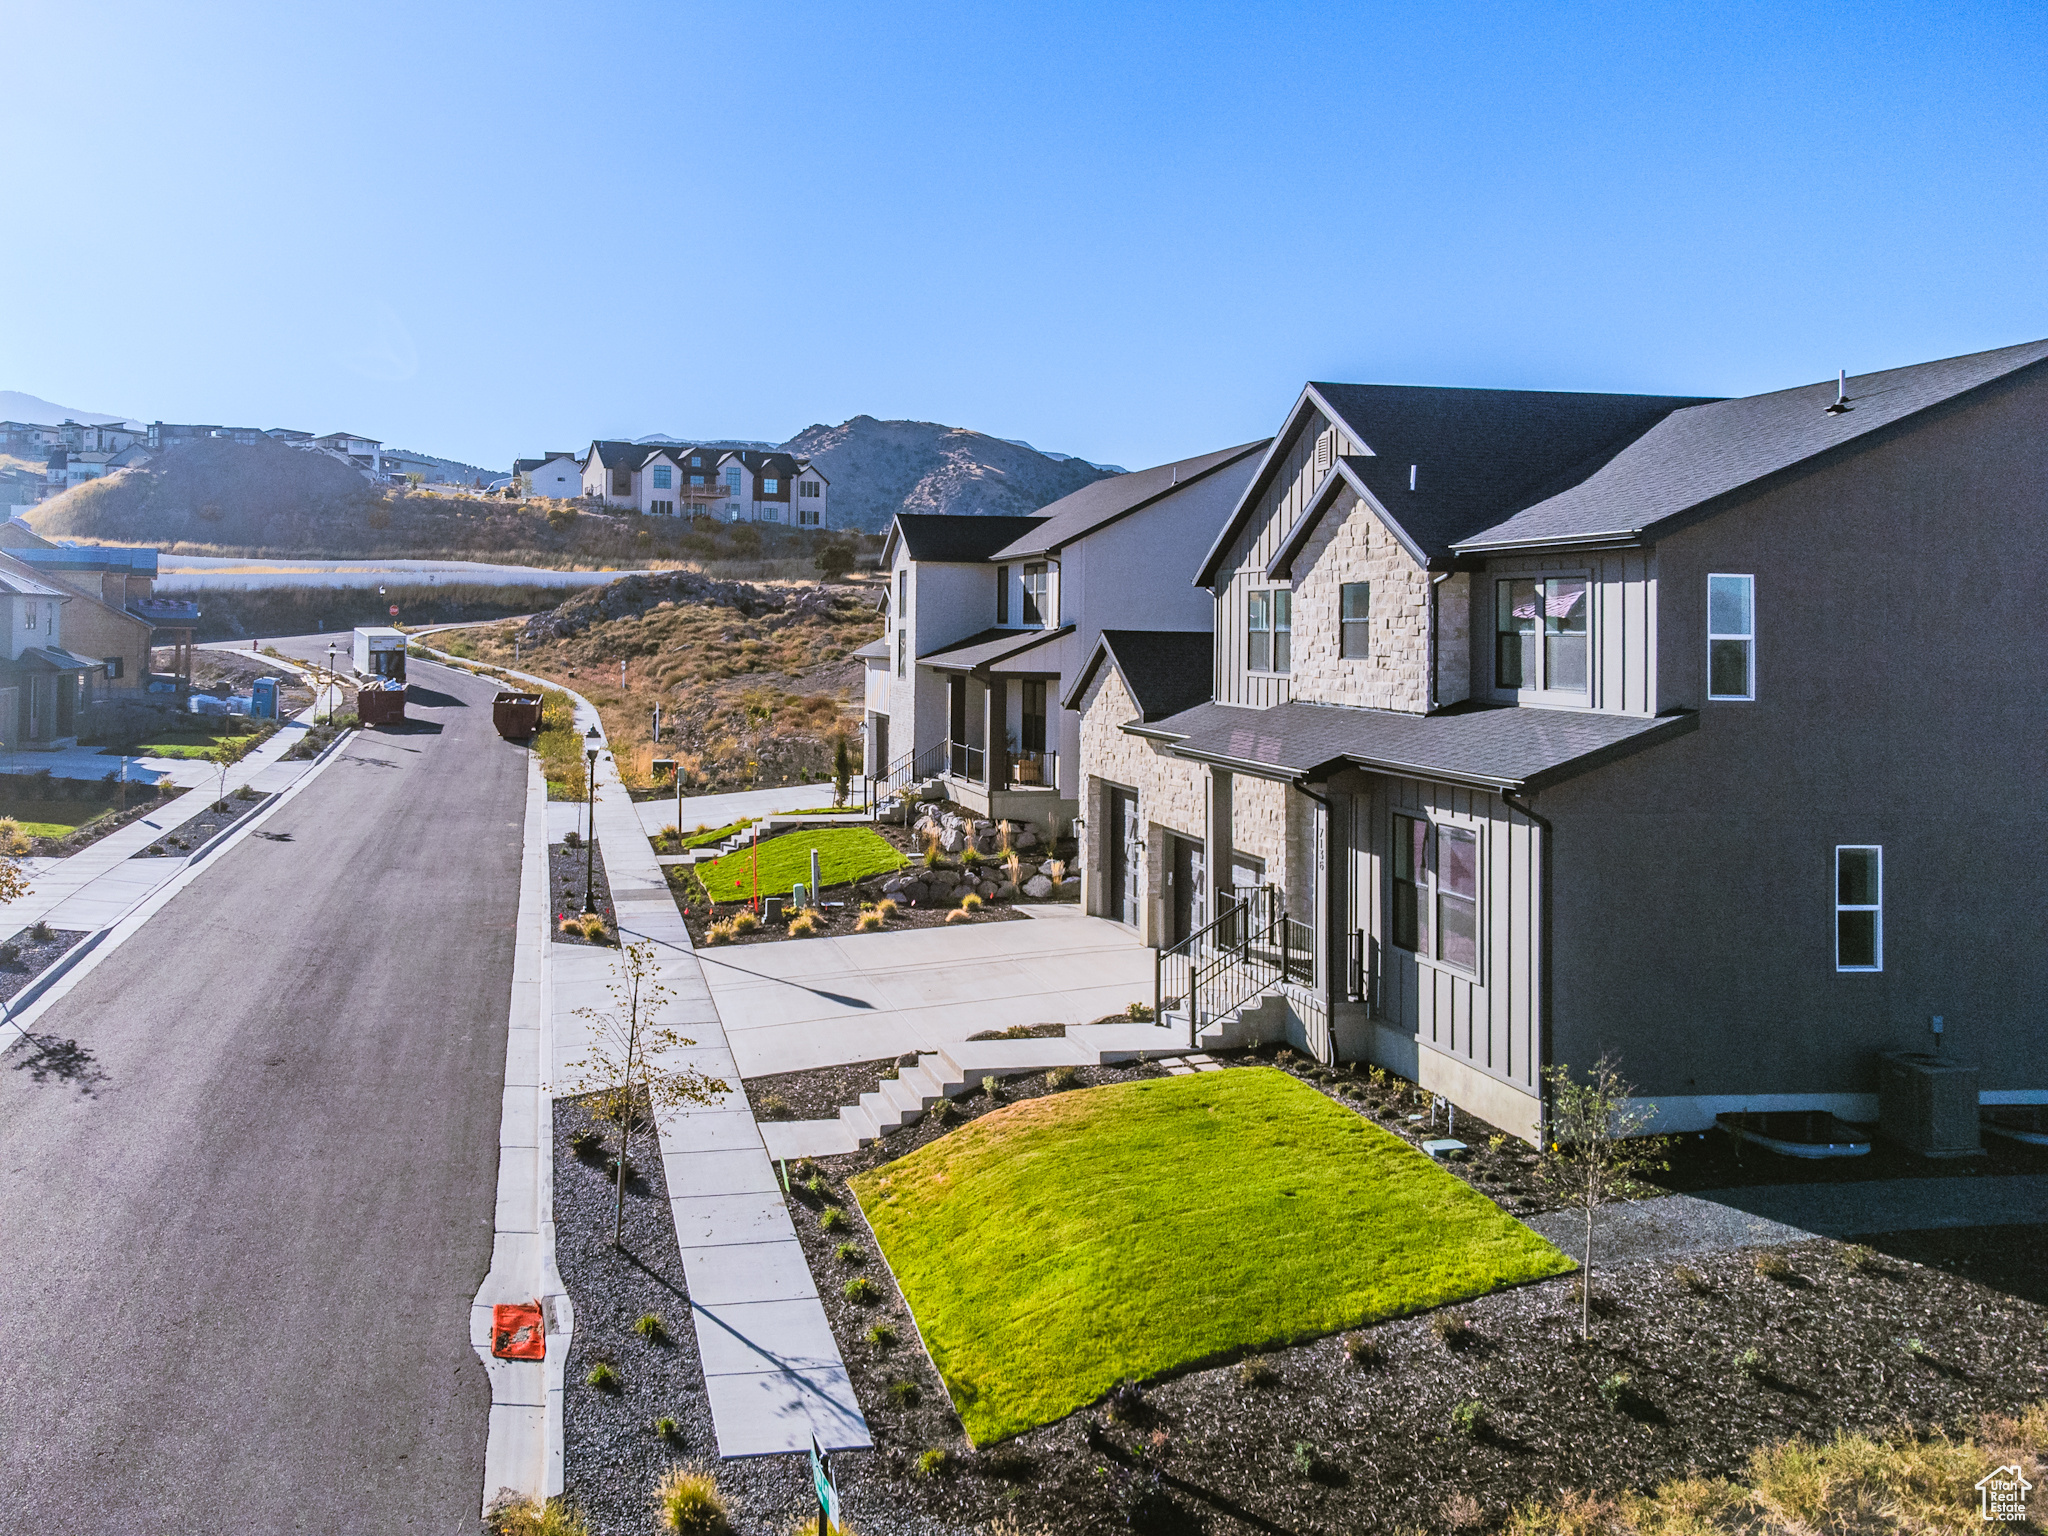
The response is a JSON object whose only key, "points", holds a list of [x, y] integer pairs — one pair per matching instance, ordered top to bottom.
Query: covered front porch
{"points": [[43, 695], [1000, 756]]}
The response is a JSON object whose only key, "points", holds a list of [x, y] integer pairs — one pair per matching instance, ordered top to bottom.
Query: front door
{"points": [[1124, 856], [1190, 888]]}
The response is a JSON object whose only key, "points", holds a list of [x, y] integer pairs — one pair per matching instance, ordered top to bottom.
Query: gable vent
{"points": [[1323, 451]]}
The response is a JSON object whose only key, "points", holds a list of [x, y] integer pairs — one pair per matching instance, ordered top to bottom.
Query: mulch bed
{"points": [[218, 816], [566, 870], [32, 956]]}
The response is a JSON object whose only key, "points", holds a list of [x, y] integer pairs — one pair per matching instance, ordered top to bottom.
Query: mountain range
{"points": [[16, 406]]}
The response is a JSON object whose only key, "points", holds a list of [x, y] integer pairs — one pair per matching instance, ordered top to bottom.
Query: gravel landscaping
{"points": [[92, 807], [218, 816], [568, 867], [25, 956]]}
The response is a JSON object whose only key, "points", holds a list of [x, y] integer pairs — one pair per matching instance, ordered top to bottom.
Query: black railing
{"points": [[966, 762], [1032, 770], [1252, 947]]}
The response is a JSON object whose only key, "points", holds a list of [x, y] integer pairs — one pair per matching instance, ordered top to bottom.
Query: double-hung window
{"points": [[661, 479], [771, 487], [1036, 584], [1002, 594], [1354, 619], [1269, 631], [1541, 635], [1731, 637], [1436, 891], [1859, 909]]}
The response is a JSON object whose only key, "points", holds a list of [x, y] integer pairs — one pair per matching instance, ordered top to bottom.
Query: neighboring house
{"points": [[169, 434], [25, 437], [87, 438], [365, 453], [70, 466], [554, 475], [670, 480], [20, 487], [118, 615], [988, 616], [44, 689], [1547, 726]]}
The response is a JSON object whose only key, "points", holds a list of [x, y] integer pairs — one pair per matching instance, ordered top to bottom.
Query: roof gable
{"points": [[1102, 502], [951, 538], [1166, 671]]}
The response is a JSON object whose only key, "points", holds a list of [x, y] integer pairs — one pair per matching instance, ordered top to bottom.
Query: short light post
{"points": [[331, 689], [590, 835]]}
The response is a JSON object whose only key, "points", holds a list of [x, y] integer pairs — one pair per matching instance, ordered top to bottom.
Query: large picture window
{"points": [[661, 479], [1354, 618], [1541, 635], [1731, 637], [1436, 891], [1859, 909]]}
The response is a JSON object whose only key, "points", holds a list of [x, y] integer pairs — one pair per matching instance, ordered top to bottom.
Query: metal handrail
{"points": [[966, 762], [1252, 947]]}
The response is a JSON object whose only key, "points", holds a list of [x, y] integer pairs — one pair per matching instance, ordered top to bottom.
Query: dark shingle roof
{"points": [[1477, 452], [613, 454], [1696, 455], [1104, 501], [954, 537], [990, 645], [1167, 670], [1506, 748]]}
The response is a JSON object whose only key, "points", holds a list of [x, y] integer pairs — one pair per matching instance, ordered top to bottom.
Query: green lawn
{"points": [[713, 835], [844, 853], [1050, 1249]]}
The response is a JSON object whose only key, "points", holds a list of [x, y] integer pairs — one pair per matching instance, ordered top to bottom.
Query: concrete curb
{"points": [[523, 1450]]}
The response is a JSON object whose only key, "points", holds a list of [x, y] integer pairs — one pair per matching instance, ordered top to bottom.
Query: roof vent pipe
{"points": [[1841, 394], [1411, 477]]}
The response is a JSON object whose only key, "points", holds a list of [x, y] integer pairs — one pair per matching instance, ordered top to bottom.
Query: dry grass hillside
{"points": [[268, 501], [754, 681]]}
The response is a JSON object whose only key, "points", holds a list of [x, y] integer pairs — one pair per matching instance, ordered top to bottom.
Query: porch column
{"points": [[995, 757], [1217, 853]]}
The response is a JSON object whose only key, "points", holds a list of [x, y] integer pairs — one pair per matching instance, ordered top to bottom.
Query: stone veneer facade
{"points": [[1352, 544]]}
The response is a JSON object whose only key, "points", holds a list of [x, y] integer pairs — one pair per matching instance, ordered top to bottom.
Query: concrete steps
{"points": [[765, 825]]}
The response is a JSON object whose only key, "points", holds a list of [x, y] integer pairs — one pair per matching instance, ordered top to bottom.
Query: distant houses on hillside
{"points": [[678, 479]]}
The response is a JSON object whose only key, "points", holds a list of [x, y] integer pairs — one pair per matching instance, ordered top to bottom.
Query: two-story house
{"points": [[732, 485], [988, 615], [44, 689], [1546, 726]]}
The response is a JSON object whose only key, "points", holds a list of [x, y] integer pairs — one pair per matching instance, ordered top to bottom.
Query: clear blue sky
{"points": [[1124, 231]]}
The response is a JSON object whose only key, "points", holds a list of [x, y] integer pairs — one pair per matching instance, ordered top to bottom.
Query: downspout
{"points": [[1320, 925], [1543, 945]]}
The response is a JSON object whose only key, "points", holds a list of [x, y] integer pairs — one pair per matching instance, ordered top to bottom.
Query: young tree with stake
{"points": [[623, 1068], [1594, 1151]]}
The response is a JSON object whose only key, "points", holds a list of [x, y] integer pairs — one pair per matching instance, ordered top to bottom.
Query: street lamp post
{"points": [[330, 683], [590, 836]]}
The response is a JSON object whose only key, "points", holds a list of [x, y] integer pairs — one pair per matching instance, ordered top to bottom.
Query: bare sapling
{"points": [[625, 1067], [1595, 1151]]}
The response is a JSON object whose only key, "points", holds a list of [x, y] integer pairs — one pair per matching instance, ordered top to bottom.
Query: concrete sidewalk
{"points": [[723, 810], [96, 885], [790, 1007], [772, 1372]]}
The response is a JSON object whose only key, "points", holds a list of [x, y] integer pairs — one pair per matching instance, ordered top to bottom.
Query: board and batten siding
{"points": [[1303, 464], [1622, 658], [1486, 1022]]}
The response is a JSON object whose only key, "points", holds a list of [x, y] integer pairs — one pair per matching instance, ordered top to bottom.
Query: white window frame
{"points": [[662, 477], [1749, 638], [1546, 694], [1428, 894], [1875, 908]]}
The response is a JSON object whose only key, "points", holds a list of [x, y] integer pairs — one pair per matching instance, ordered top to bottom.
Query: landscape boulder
{"points": [[952, 840], [1038, 887]]}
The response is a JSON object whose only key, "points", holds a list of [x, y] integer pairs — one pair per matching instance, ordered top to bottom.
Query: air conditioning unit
{"points": [[1928, 1104]]}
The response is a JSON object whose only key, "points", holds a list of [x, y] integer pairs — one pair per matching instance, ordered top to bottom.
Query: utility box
{"points": [[379, 652], [263, 698], [1928, 1104]]}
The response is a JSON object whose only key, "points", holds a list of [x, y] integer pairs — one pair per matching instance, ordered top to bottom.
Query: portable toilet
{"points": [[263, 698]]}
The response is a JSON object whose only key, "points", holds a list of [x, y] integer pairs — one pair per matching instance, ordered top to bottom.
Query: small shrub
{"points": [[246, 792], [572, 839], [970, 857], [971, 903], [887, 908], [744, 921], [868, 922], [572, 926], [803, 927], [594, 928], [42, 933], [719, 933], [9, 952], [1061, 1077], [991, 1088], [773, 1106], [945, 1112], [1495, 1142], [813, 1182], [834, 1220], [849, 1253], [1859, 1258], [1772, 1266], [1691, 1279], [861, 1289], [651, 1328], [1452, 1330], [881, 1334], [1917, 1349], [1364, 1351], [1750, 1364], [1257, 1373], [603, 1377], [1618, 1391], [904, 1394], [1126, 1402], [1469, 1419], [666, 1428], [931, 1464], [1315, 1466], [687, 1502], [1461, 1512], [514, 1516]]}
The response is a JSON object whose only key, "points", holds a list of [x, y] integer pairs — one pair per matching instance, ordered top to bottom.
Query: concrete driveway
{"points": [[796, 1004], [244, 1215]]}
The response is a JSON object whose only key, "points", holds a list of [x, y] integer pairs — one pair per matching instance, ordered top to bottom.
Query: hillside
{"points": [[16, 406], [880, 468], [753, 681]]}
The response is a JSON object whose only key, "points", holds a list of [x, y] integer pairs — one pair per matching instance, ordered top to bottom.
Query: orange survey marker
{"points": [[517, 1332]]}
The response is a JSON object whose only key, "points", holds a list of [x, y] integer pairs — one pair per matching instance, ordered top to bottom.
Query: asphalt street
{"points": [[242, 1222]]}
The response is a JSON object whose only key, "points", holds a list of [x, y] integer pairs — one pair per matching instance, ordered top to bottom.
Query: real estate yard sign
{"points": [[828, 1496]]}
